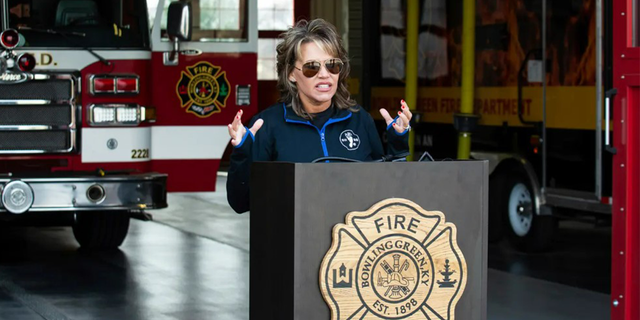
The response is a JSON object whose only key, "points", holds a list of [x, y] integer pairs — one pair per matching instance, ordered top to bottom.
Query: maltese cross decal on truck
{"points": [[203, 89]]}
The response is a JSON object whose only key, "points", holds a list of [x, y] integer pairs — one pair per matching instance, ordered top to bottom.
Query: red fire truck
{"points": [[539, 89], [107, 105]]}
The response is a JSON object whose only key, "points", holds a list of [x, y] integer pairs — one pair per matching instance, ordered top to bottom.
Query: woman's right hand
{"points": [[237, 130]]}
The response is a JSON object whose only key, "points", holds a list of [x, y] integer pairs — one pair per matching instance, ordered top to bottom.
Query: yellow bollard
{"points": [[468, 73]]}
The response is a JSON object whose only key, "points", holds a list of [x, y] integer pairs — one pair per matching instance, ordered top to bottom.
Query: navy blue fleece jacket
{"points": [[287, 137]]}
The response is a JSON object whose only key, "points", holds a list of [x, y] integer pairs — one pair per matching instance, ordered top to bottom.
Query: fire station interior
{"points": [[191, 260]]}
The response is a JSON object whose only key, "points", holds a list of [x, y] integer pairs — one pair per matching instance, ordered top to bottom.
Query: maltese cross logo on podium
{"points": [[394, 261]]}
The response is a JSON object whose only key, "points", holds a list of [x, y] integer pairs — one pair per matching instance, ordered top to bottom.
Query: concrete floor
{"points": [[192, 262]]}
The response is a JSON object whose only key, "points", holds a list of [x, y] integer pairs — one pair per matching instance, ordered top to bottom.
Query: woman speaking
{"points": [[315, 116]]}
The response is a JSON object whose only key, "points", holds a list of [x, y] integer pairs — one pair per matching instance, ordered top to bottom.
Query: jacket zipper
{"points": [[323, 142]]}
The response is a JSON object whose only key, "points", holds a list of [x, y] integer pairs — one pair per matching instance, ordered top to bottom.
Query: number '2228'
{"points": [[139, 153]]}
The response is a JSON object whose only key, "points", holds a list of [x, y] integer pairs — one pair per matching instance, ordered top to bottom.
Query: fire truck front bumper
{"points": [[83, 193]]}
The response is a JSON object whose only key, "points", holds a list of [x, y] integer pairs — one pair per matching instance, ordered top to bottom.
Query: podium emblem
{"points": [[405, 260]]}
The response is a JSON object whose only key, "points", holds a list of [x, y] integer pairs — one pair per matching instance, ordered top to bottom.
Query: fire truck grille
{"points": [[52, 90], [38, 115], [46, 115], [34, 140]]}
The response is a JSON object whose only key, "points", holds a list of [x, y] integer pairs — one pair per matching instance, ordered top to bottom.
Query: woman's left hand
{"points": [[402, 123]]}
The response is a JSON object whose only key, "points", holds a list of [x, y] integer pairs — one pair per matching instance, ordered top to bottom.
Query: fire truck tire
{"points": [[102, 230], [496, 230], [526, 231]]}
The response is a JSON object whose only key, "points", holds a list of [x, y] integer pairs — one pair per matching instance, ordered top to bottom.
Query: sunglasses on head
{"points": [[311, 68]]}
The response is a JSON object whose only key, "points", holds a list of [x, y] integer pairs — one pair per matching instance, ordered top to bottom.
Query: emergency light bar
{"points": [[9, 38], [26, 62], [108, 84], [116, 114]]}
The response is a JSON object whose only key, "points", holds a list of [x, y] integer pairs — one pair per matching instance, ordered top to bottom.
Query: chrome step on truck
{"points": [[101, 205]]}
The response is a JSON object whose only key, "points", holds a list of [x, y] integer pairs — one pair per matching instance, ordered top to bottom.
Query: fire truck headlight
{"points": [[102, 115], [116, 115], [128, 115], [17, 197]]}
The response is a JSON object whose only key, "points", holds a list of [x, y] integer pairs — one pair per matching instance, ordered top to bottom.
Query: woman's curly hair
{"points": [[325, 36]]}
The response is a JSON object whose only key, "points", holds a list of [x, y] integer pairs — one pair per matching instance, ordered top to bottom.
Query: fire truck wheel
{"points": [[102, 230], [496, 230], [526, 230]]}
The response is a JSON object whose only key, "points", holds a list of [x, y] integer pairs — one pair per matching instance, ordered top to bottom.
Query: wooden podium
{"points": [[295, 206]]}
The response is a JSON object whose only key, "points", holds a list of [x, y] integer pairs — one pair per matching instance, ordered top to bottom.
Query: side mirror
{"points": [[179, 21], [178, 29]]}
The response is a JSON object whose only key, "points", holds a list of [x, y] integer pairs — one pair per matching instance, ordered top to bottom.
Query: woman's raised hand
{"points": [[404, 117], [237, 130]]}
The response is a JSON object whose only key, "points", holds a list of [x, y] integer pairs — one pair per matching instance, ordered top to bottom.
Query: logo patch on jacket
{"points": [[350, 140]]}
